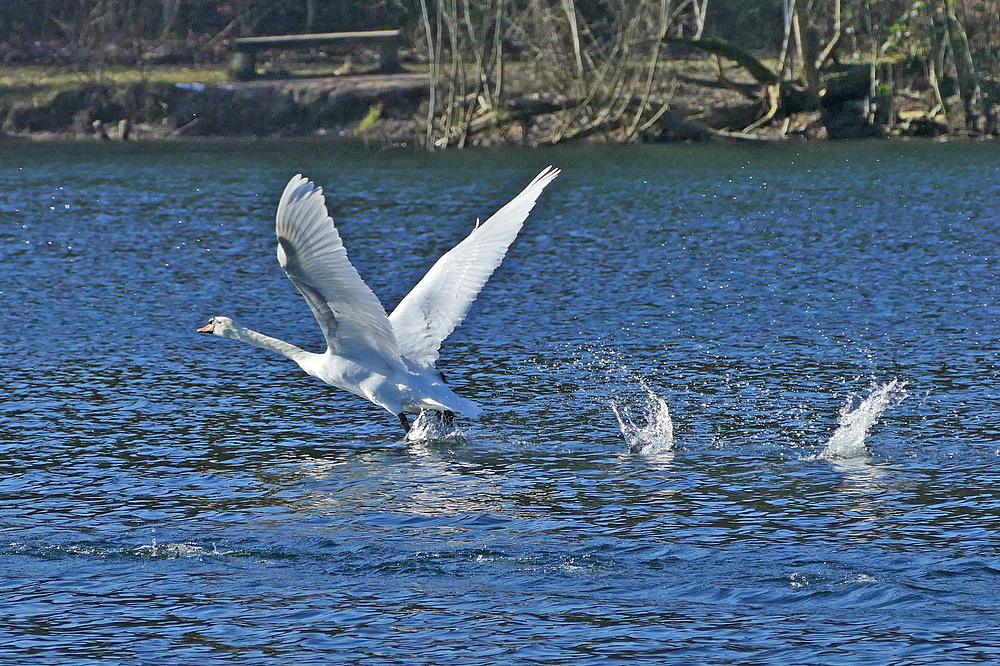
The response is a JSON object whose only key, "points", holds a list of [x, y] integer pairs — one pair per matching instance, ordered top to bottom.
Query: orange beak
{"points": [[207, 328]]}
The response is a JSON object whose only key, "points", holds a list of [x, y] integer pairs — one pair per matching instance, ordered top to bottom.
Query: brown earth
{"points": [[386, 110]]}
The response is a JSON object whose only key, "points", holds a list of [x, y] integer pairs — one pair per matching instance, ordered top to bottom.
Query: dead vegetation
{"points": [[517, 71]]}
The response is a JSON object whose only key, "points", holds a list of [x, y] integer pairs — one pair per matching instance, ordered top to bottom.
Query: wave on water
{"points": [[857, 417], [656, 434], [151, 550], [177, 550]]}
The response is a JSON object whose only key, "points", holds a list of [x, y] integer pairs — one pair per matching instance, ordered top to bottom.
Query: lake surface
{"points": [[172, 498]]}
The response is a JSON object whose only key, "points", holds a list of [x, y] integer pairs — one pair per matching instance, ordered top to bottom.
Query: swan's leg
{"points": [[448, 418], [404, 421]]}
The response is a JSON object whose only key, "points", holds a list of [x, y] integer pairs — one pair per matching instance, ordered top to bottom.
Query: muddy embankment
{"points": [[338, 106], [391, 110]]}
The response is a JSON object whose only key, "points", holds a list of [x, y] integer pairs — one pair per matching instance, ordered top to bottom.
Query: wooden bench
{"points": [[245, 64]]}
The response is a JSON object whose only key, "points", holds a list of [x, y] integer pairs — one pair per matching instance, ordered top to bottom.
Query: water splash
{"points": [[857, 417], [431, 426], [657, 435], [173, 550], [177, 550]]}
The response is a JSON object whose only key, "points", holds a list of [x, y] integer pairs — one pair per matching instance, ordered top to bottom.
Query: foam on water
{"points": [[857, 417], [656, 434], [177, 550]]}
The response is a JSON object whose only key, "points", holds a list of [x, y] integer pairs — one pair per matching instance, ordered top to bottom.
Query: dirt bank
{"points": [[704, 103], [333, 105]]}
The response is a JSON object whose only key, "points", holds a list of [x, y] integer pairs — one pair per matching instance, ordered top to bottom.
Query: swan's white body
{"points": [[387, 359]]}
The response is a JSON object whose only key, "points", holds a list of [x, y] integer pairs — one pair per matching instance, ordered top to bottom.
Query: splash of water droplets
{"points": [[857, 417], [645, 421], [431, 426], [656, 435]]}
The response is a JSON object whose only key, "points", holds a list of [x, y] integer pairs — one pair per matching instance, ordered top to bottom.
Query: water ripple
{"points": [[174, 499]]}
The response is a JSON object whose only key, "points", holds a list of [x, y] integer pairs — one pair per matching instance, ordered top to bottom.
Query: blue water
{"points": [[171, 498]]}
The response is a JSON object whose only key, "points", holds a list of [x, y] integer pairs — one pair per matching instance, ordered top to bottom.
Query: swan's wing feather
{"points": [[313, 256], [442, 298]]}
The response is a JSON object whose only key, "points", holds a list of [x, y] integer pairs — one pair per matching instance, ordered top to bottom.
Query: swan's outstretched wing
{"points": [[440, 301], [353, 320]]}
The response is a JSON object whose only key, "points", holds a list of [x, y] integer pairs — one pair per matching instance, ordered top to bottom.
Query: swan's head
{"points": [[223, 326]]}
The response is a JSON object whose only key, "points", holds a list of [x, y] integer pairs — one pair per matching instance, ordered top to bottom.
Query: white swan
{"points": [[387, 359]]}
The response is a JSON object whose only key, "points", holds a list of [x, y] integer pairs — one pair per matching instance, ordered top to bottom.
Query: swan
{"points": [[387, 359]]}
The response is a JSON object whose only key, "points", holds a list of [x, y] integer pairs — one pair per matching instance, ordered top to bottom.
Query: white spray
{"points": [[857, 417], [431, 426], [656, 435]]}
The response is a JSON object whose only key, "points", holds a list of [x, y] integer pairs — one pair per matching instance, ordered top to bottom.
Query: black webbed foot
{"points": [[405, 422]]}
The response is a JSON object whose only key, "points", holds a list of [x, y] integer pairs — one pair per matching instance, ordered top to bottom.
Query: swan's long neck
{"points": [[244, 334]]}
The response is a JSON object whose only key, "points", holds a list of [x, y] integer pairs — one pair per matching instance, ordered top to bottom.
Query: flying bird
{"points": [[388, 359]]}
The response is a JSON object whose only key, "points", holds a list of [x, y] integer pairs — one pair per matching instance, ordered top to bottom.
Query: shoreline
{"points": [[388, 111]]}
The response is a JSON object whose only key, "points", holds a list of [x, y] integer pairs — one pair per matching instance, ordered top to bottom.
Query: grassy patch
{"points": [[38, 84]]}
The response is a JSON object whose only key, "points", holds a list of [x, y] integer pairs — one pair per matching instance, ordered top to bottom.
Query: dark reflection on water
{"points": [[175, 499]]}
